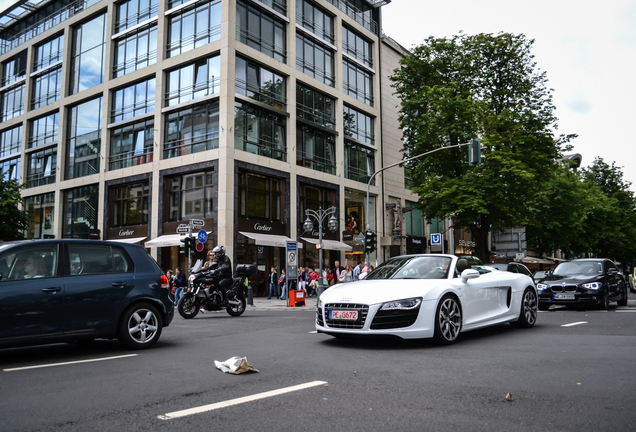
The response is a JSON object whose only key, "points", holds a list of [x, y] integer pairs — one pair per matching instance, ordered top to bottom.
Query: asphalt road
{"points": [[575, 378]]}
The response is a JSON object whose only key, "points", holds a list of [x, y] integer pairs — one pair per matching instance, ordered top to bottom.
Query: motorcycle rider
{"points": [[222, 270]]}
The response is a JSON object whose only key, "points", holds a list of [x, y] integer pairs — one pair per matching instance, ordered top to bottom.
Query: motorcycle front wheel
{"points": [[189, 305], [237, 310]]}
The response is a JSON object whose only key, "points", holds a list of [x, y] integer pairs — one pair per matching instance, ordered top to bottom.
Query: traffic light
{"points": [[474, 152], [369, 241], [188, 244]]}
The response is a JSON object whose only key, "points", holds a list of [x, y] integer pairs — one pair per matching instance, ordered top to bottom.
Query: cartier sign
{"points": [[262, 227], [127, 232]]}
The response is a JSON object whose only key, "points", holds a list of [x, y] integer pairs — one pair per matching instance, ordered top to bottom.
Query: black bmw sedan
{"points": [[583, 282]]}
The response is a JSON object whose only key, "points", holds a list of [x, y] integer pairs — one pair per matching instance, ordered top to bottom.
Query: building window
{"points": [[360, 10], [133, 12], [312, 18], [193, 27], [260, 30], [356, 46], [135, 50], [48, 53], [314, 59], [87, 64], [14, 69], [193, 81], [357, 82], [260, 84], [47, 88], [133, 101], [12, 102], [315, 107], [358, 126], [44, 130], [192, 130], [259, 131], [84, 139], [10, 141], [132, 144], [315, 149], [359, 162], [41, 167], [10, 169], [190, 196], [260, 197], [313, 198], [128, 205], [41, 209], [80, 211], [414, 220]]}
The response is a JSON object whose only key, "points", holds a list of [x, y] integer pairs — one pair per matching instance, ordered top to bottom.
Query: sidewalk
{"points": [[261, 303]]}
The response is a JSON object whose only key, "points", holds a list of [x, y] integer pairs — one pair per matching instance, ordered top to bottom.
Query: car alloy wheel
{"points": [[528, 310], [448, 320], [140, 326]]}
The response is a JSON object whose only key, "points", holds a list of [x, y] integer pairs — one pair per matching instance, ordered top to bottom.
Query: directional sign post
{"points": [[197, 223], [183, 229]]}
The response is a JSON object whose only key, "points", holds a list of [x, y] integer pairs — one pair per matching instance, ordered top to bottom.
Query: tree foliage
{"points": [[482, 86], [13, 221]]}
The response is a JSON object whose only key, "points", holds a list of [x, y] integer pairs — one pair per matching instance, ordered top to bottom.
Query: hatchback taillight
{"points": [[164, 282]]}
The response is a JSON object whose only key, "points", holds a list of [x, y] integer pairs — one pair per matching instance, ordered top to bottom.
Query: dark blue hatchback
{"points": [[74, 290]]}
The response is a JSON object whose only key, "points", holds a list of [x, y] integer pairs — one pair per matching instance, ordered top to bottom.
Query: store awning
{"points": [[268, 239], [129, 240], [166, 240], [330, 244]]}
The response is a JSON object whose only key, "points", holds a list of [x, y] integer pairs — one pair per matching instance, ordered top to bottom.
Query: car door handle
{"points": [[119, 284], [52, 289]]}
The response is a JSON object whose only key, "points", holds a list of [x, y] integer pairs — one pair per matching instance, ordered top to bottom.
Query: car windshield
{"points": [[416, 267], [589, 268]]}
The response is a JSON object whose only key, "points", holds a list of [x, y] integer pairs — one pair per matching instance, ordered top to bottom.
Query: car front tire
{"points": [[623, 300], [528, 312], [448, 320], [140, 326]]}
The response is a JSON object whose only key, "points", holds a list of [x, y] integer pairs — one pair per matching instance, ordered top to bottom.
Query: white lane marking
{"points": [[626, 310], [574, 323], [69, 363], [225, 404]]}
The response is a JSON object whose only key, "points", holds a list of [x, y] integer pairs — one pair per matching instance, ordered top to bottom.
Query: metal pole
{"points": [[368, 226], [319, 287]]}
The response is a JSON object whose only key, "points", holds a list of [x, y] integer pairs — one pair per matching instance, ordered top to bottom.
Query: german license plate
{"points": [[564, 296], [343, 315]]}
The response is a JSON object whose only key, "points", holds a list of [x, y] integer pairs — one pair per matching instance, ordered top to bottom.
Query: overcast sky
{"points": [[587, 49]]}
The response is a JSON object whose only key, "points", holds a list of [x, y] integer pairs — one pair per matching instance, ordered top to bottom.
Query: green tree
{"points": [[481, 86], [13, 221]]}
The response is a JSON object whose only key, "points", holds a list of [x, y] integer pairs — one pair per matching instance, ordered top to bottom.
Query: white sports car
{"points": [[423, 296]]}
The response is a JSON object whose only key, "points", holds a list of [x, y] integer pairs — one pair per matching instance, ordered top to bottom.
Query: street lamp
{"points": [[332, 224]]}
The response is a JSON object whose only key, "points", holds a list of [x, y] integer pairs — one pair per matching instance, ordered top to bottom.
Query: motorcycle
{"points": [[205, 293]]}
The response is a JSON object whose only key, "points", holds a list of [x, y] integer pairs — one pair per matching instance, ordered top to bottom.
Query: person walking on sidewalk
{"points": [[273, 281], [180, 283], [283, 285]]}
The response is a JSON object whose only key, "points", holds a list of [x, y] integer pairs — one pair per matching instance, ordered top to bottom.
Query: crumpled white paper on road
{"points": [[235, 365]]}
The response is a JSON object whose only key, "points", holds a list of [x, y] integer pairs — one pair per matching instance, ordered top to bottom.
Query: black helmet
{"points": [[219, 251]]}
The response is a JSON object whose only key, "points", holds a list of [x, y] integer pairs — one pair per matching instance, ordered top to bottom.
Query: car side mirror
{"points": [[612, 271], [469, 274]]}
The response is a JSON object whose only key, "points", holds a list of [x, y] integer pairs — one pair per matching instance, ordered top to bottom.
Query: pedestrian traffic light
{"points": [[474, 152], [369, 241]]}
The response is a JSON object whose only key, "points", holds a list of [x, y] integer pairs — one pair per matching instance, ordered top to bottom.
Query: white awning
{"points": [[268, 239], [129, 240], [166, 240], [330, 244]]}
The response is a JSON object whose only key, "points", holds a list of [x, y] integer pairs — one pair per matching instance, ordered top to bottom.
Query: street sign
{"points": [[197, 223], [183, 229], [202, 236], [360, 239], [436, 239], [200, 247], [292, 253]]}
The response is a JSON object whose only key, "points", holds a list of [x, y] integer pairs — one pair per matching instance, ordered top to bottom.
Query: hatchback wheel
{"points": [[140, 326]]}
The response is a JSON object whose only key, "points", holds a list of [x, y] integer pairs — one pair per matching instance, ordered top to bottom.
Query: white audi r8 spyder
{"points": [[424, 296]]}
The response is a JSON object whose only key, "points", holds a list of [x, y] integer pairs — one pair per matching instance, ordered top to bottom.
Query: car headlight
{"points": [[592, 285], [541, 287], [319, 304], [406, 304]]}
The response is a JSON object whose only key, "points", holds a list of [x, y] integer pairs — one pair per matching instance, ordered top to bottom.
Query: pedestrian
{"points": [[210, 260], [365, 269], [371, 269], [337, 270], [356, 271], [346, 275], [170, 277], [313, 277], [330, 278], [302, 279], [273, 281], [179, 284], [283, 284]]}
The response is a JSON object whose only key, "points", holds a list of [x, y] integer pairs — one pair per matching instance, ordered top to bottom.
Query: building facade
{"points": [[128, 119]]}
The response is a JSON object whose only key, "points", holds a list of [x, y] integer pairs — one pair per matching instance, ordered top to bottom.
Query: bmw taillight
{"points": [[164, 282]]}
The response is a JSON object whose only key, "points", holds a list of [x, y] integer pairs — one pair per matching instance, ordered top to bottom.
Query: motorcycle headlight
{"points": [[191, 278], [592, 285], [541, 287], [406, 304]]}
